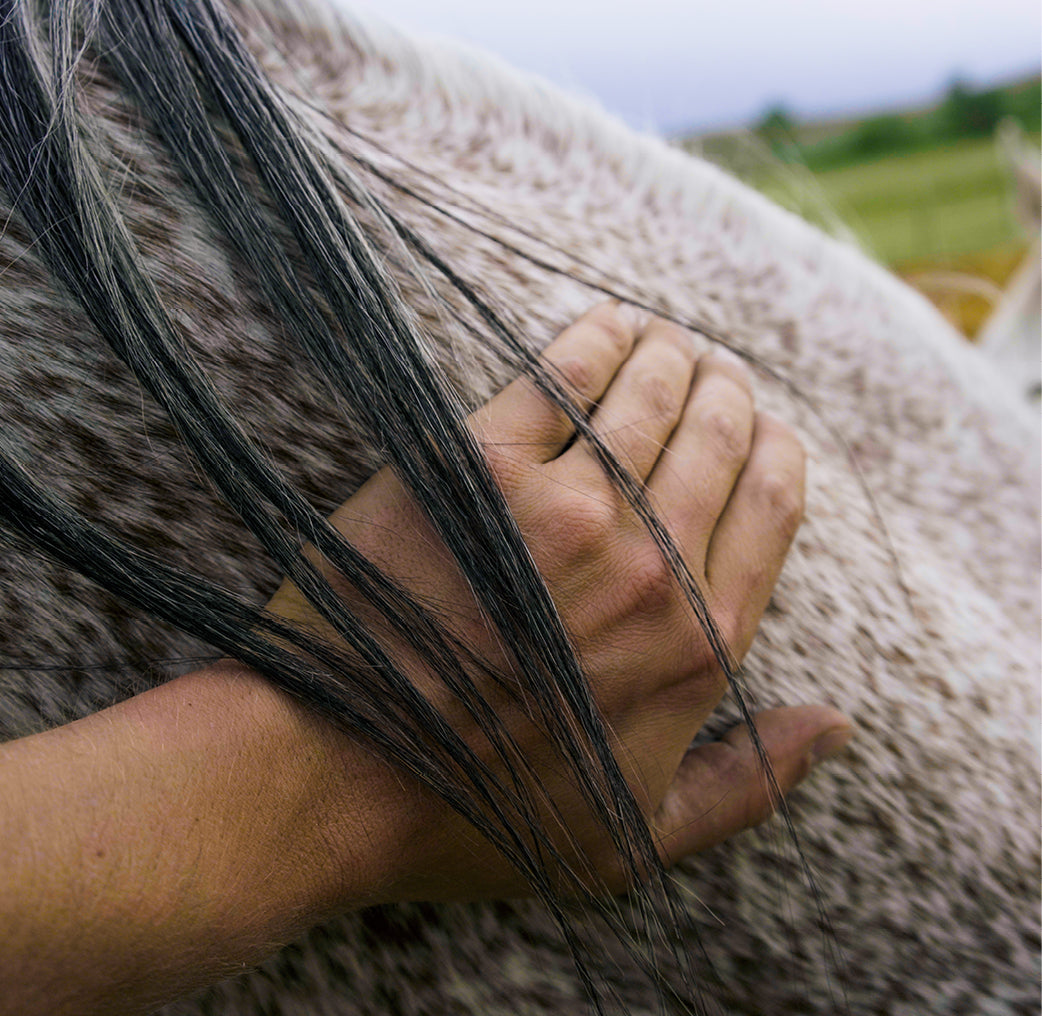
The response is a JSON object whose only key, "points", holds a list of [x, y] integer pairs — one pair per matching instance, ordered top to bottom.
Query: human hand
{"points": [[728, 484], [195, 827]]}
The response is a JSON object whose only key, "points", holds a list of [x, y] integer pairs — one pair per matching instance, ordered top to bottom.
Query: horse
{"points": [[909, 601]]}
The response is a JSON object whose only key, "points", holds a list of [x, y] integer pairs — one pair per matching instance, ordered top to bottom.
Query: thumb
{"points": [[721, 788]]}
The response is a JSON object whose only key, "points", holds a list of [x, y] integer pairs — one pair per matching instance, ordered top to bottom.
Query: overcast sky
{"points": [[671, 64]]}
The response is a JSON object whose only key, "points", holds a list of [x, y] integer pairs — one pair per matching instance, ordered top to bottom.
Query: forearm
{"points": [[188, 832], [159, 845]]}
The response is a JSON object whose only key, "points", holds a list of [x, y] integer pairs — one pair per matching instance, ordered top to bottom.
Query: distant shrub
{"points": [[1024, 103], [966, 113], [778, 128], [881, 135], [873, 138]]}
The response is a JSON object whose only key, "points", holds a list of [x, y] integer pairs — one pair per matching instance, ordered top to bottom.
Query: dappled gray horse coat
{"points": [[924, 839]]}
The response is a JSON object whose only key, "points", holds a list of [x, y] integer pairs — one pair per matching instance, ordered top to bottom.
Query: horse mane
{"points": [[307, 249], [194, 352]]}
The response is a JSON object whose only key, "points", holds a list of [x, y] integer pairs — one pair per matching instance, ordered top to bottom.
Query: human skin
{"points": [[175, 838]]}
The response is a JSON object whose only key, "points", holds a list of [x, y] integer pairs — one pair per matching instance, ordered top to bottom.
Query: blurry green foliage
{"points": [[964, 112], [778, 128], [880, 135], [920, 187], [926, 205]]}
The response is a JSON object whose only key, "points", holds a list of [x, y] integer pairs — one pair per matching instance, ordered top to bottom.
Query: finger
{"points": [[584, 358], [637, 414], [693, 480], [753, 535], [721, 788]]}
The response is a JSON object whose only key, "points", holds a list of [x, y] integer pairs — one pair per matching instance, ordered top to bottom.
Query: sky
{"points": [[668, 65]]}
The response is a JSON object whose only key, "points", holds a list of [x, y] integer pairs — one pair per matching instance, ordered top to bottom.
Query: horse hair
{"points": [[187, 69], [252, 251]]}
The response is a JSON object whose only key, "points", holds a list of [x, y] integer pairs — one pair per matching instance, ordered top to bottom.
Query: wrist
{"points": [[277, 778], [188, 831]]}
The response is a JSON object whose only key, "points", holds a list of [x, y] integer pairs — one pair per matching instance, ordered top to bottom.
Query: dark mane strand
{"points": [[190, 73]]}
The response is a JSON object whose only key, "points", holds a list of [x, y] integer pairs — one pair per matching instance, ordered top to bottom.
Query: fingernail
{"points": [[831, 743]]}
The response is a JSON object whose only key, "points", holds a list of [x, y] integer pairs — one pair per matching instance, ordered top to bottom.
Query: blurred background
{"points": [[909, 126]]}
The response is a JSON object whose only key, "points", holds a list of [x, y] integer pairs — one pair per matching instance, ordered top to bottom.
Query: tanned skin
{"points": [[187, 833]]}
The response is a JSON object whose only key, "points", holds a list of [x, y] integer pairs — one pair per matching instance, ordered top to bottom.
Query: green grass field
{"points": [[931, 205], [925, 206], [930, 213]]}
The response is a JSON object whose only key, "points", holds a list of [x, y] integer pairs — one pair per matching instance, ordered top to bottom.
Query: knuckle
{"points": [[614, 331], [674, 337], [731, 366], [576, 373], [657, 394], [725, 430], [495, 458], [503, 462], [781, 495], [579, 523], [650, 583], [732, 618], [730, 621], [716, 684], [700, 685]]}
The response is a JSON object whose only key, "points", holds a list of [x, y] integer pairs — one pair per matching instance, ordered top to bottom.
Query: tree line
{"points": [[964, 112]]}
